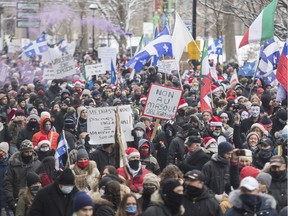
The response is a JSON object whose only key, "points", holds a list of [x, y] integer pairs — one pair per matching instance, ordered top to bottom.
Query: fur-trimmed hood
{"points": [[16, 160], [156, 199], [267, 200], [100, 201]]}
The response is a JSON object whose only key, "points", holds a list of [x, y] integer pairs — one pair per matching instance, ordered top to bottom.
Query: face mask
{"points": [[195, 88], [255, 111], [181, 112], [244, 115], [33, 124], [47, 128], [169, 132], [139, 133], [216, 133], [82, 141], [213, 148], [44, 149], [144, 152], [265, 154], [27, 159], [83, 164], [134, 164], [277, 175], [66, 189], [34, 190], [148, 190], [193, 191], [102, 192], [249, 199], [174, 200], [131, 209]]}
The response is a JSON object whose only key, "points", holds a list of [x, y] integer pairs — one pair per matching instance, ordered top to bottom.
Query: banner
{"points": [[106, 54], [64, 66], [167, 66], [94, 69], [48, 74], [162, 102], [101, 124]]}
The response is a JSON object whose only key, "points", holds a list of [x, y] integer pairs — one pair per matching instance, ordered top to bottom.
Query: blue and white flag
{"points": [[62, 45], [160, 46], [36, 47], [216, 47], [269, 57], [154, 59], [248, 69], [113, 73], [62, 149]]}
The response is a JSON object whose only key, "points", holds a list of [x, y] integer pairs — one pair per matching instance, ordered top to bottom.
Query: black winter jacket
{"points": [[176, 150], [102, 158], [278, 189]]}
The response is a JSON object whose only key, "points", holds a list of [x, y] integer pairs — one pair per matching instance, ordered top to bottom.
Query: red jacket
{"points": [[135, 184]]}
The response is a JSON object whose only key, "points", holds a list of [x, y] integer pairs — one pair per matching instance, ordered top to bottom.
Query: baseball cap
{"points": [[277, 160], [195, 175], [249, 183]]}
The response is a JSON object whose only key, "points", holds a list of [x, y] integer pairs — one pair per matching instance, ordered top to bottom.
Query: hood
{"points": [[65, 91], [79, 110], [43, 120], [172, 123], [142, 141], [15, 159], [267, 200], [100, 201]]}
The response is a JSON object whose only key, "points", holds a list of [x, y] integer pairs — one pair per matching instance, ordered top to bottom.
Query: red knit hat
{"points": [[182, 103], [216, 121], [43, 140], [207, 141], [131, 152], [249, 171]]}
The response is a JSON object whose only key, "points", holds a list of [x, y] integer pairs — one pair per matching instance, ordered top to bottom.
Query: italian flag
{"points": [[263, 26]]}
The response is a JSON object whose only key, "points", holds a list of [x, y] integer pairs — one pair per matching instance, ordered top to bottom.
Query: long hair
{"points": [[47, 166], [170, 171], [112, 193], [122, 207]]}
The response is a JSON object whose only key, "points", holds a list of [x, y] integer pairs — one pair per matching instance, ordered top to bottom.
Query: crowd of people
{"points": [[231, 160]]}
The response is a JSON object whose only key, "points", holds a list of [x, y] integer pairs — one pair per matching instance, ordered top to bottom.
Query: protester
{"points": [[82, 204], [129, 206]]}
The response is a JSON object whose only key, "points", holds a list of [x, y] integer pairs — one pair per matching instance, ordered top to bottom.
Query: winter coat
{"points": [[14, 128], [4, 133], [26, 133], [52, 136], [176, 149], [102, 158], [195, 160], [3, 168], [218, 175], [15, 177], [86, 179], [135, 184], [278, 189], [51, 201], [205, 204], [267, 206], [103, 207], [158, 207], [22, 208]]}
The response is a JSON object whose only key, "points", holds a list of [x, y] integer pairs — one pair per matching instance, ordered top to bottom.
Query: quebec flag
{"points": [[62, 45], [160, 46], [36, 47], [216, 47], [270, 56], [247, 69], [113, 73], [62, 148]]}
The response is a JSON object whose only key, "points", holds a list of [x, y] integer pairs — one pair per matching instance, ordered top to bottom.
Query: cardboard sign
{"points": [[106, 54], [64, 66], [166, 66], [94, 69], [48, 74], [162, 102], [101, 124]]}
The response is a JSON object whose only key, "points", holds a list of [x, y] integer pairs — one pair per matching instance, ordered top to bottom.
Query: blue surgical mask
{"points": [[47, 128], [139, 133], [216, 133], [44, 149], [66, 189], [131, 208]]}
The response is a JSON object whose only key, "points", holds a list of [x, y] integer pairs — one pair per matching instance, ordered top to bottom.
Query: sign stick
{"points": [[155, 129]]}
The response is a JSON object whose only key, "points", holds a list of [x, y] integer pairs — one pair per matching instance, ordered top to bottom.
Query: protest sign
{"points": [[14, 46], [106, 54], [64, 66], [166, 66], [94, 69], [48, 73], [162, 102], [101, 124]]}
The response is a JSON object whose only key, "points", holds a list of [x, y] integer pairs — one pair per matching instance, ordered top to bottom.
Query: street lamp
{"points": [[93, 7]]}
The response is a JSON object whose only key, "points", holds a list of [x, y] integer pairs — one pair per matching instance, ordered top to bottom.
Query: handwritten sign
{"points": [[106, 54], [64, 66], [166, 66], [94, 69], [48, 73], [162, 102], [101, 124]]}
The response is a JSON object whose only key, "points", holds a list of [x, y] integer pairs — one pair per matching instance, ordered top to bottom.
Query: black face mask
{"points": [[137, 97], [181, 112], [33, 124], [169, 132], [265, 154], [27, 159], [134, 164], [278, 175], [34, 190], [148, 190], [193, 191], [250, 200], [173, 201]]}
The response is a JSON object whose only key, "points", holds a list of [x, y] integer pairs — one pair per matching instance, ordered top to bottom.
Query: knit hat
{"points": [[95, 92], [20, 99], [116, 101], [182, 103], [19, 112], [45, 113], [224, 114], [33, 116], [265, 120], [215, 121], [70, 122], [140, 125], [261, 127], [253, 133], [192, 139], [43, 140], [207, 141], [267, 141], [26, 145], [4, 146], [224, 147], [131, 152], [82, 153], [247, 156], [249, 171], [195, 175], [66, 177], [32, 178], [264, 178], [153, 179], [104, 181], [249, 183], [169, 185], [81, 200]]}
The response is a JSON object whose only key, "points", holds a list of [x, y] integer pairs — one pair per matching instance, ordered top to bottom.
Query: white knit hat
{"points": [[4, 146]]}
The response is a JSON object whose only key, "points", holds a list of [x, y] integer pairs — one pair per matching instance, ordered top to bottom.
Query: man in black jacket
{"points": [[197, 198]]}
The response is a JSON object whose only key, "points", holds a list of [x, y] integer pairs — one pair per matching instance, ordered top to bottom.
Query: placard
{"points": [[14, 46], [106, 54], [64, 66], [166, 66], [94, 69], [48, 74], [162, 102], [101, 123]]}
